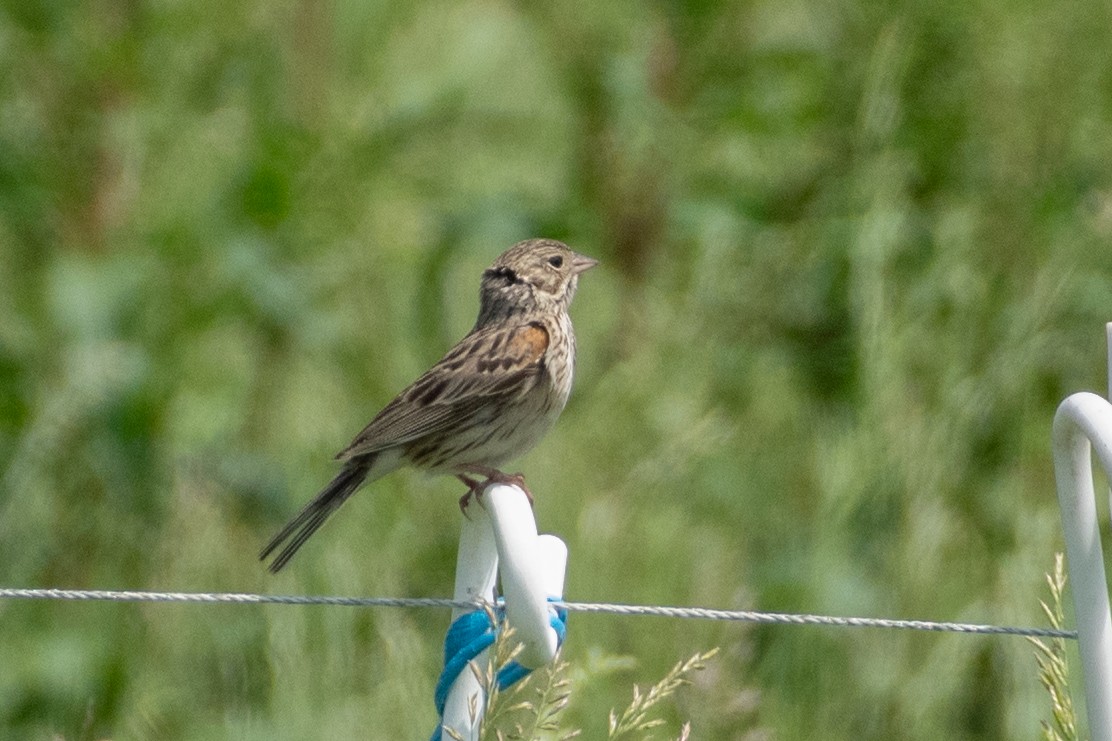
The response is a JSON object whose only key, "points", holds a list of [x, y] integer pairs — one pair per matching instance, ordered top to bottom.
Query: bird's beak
{"points": [[581, 263]]}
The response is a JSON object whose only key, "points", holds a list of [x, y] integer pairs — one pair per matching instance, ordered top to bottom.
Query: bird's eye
{"points": [[555, 261]]}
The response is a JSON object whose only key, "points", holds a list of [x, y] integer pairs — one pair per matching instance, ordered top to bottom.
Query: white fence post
{"points": [[1108, 332], [1083, 424], [502, 531], [532, 570], [476, 573]]}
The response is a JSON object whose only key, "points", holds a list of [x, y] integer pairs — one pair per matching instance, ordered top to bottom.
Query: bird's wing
{"points": [[487, 363]]}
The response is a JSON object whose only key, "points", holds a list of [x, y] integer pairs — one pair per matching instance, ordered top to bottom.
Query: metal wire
{"points": [[691, 613]]}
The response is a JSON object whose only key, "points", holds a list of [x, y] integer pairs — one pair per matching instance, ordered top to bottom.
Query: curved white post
{"points": [[1084, 423], [503, 531], [532, 571]]}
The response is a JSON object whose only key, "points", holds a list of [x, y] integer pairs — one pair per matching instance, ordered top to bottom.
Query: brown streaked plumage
{"points": [[489, 400]]}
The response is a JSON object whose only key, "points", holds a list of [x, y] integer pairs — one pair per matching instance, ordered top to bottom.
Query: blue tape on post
{"points": [[468, 636]]}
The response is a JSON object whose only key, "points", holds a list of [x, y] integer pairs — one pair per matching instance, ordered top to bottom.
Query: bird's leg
{"points": [[494, 476], [473, 487]]}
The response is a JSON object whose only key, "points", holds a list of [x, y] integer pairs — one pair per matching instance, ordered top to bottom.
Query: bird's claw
{"points": [[492, 476]]}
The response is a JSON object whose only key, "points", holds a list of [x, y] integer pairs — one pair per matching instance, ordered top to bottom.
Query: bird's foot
{"points": [[490, 476], [474, 488]]}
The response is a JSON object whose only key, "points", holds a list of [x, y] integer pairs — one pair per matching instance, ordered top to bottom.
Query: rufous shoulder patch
{"points": [[531, 342]]}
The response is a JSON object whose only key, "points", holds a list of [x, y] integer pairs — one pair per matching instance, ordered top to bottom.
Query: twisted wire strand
{"points": [[239, 598], [690, 613], [780, 618]]}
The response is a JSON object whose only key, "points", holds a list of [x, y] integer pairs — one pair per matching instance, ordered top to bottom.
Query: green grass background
{"points": [[853, 255]]}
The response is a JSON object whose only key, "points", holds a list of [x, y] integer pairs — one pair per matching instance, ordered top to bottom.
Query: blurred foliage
{"points": [[853, 257]]}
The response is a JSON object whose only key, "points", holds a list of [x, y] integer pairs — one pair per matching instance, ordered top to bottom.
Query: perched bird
{"points": [[489, 400]]}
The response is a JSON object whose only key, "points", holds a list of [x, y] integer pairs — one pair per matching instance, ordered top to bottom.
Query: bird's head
{"points": [[534, 275]]}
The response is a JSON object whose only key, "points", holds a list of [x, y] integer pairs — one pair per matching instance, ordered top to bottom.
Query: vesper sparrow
{"points": [[489, 400]]}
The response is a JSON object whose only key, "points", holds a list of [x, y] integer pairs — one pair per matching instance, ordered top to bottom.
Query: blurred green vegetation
{"points": [[853, 256]]}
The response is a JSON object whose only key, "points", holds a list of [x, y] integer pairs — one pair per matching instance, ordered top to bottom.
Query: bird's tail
{"points": [[308, 520]]}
